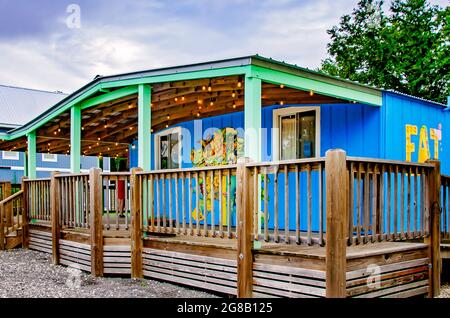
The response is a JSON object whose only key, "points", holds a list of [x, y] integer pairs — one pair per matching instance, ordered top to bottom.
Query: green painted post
{"points": [[252, 114], [144, 126], [75, 139], [31, 155], [25, 164]]}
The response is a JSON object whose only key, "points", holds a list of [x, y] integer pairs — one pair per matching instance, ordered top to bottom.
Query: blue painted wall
{"points": [[397, 112], [352, 127]]}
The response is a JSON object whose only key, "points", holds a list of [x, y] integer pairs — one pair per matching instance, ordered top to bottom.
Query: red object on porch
{"points": [[121, 190]]}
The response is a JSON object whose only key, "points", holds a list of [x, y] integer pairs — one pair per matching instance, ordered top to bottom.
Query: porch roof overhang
{"points": [[105, 89]]}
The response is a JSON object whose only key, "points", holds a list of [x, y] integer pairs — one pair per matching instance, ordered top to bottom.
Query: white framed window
{"points": [[296, 133], [168, 149], [10, 155], [49, 157]]}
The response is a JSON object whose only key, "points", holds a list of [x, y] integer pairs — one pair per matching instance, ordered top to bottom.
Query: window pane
{"points": [[307, 134], [288, 137], [164, 151], [174, 152]]}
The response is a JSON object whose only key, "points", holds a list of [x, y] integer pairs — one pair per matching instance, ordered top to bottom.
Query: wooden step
{"points": [[13, 242]]}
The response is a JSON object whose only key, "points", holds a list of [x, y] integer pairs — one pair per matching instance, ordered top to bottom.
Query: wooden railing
{"points": [[5, 190], [72, 192], [38, 199], [116, 200], [388, 200], [288, 201], [195, 202], [445, 207], [10, 216]]}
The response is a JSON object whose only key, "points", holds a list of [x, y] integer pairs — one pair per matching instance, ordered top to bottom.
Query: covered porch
{"points": [[238, 212]]}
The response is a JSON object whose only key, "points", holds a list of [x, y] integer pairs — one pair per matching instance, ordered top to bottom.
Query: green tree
{"points": [[406, 49]]}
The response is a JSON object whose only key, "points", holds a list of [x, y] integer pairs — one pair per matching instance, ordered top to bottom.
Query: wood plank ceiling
{"points": [[109, 128]]}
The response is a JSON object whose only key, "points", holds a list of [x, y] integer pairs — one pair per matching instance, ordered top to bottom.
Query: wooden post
{"points": [[7, 207], [54, 210], [337, 218], [25, 220], [96, 221], [136, 226], [2, 227], [244, 231], [434, 239]]}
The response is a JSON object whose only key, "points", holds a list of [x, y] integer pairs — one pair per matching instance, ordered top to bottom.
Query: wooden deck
{"points": [[344, 247], [279, 270]]}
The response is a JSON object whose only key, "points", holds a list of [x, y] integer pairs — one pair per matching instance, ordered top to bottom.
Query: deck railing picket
{"points": [[275, 199], [309, 202], [297, 205], [266, 206], [229, 209], [374, 215]]}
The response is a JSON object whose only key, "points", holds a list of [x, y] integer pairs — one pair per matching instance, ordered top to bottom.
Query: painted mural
{"points": [[224, 147]]}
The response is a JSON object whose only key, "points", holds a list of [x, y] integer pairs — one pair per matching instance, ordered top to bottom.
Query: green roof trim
{"points": [[267, 70]]}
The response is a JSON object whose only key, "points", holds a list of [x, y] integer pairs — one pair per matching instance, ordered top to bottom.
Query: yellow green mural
{"points": [[224, 147]]}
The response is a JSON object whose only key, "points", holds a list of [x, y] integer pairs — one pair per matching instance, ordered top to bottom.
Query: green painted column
{"points": [[252, 114], [144, 126], [75, 139], [31, 158], [25, 163]]}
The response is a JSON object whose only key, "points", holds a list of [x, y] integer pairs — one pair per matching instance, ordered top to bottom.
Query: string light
{"points": [[239, 84], [281, 86], [204, 88], [311, 93], [233, 95], [182, 98], [176, 99], [200, 102], [281, 103], [211, 104], [234, 106], [198, 114], [168, 117], [82, 128], [117, 144]]}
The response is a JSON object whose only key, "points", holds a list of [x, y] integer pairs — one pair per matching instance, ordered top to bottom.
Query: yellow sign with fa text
{"points": [[424, 146]]}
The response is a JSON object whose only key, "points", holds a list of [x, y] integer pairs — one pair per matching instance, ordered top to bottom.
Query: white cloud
{"points": [[294, 31]]}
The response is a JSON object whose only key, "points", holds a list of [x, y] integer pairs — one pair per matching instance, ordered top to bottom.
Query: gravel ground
{"points": [[30, 274], [445, 291]]}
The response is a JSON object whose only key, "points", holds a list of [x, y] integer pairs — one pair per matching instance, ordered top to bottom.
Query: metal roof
{"points": [[416, 98], [61, 99], [19, 105]]}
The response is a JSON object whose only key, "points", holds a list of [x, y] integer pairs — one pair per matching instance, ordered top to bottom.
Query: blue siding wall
{"points": [[398, 111], [352, 127]]}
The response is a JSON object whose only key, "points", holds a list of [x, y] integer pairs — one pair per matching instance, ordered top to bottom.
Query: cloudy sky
{"points": [[39, 49]]}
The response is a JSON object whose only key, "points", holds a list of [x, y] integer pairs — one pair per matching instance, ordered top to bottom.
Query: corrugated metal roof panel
{"points": [[415, 97], [20, 105]]}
